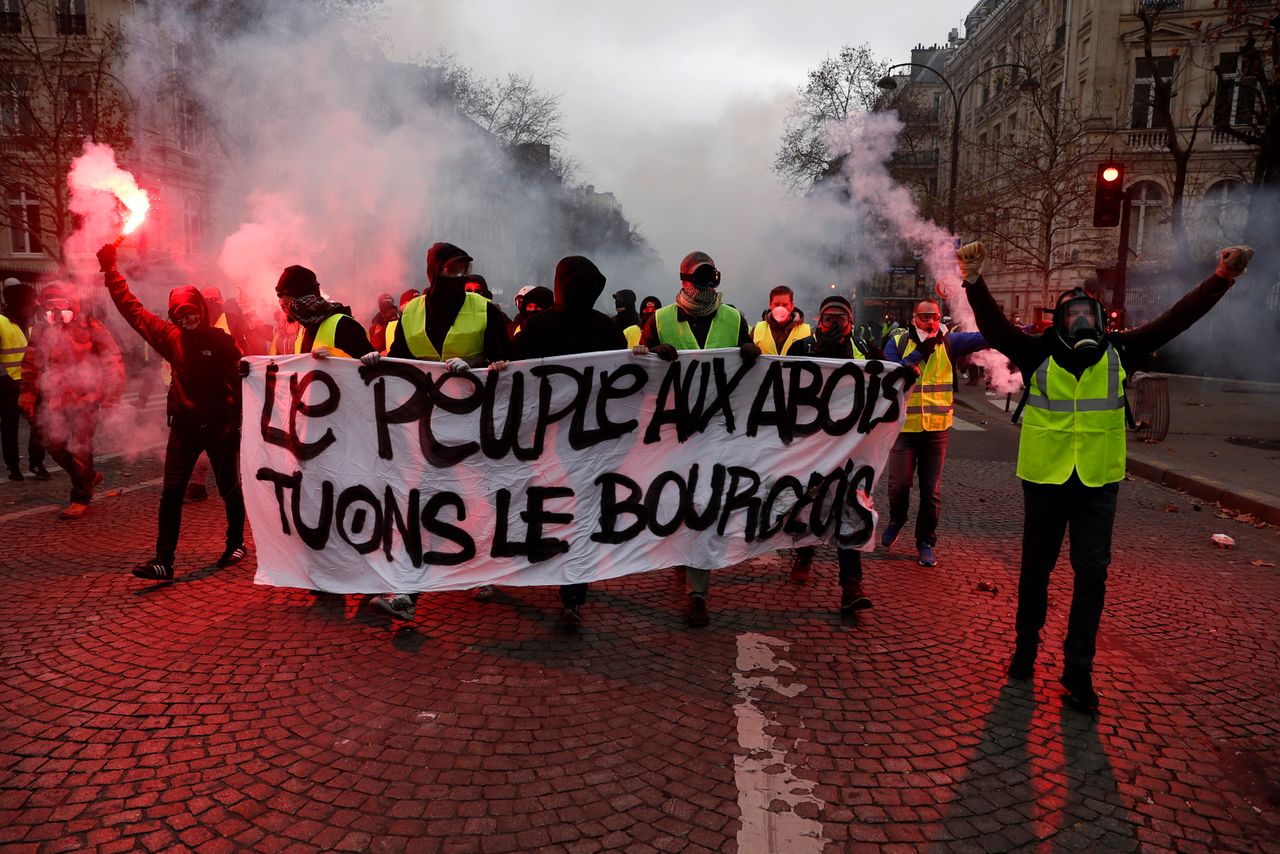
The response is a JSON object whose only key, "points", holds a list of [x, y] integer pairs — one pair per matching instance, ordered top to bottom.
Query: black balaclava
{"points": [[578, 285], [624, 305], [833, 340]]}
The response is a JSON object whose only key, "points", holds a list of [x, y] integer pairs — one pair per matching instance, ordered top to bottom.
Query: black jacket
{"points": [[572, 325]]}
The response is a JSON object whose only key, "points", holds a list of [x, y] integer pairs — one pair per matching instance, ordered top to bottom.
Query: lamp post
{"points": [[888, 84]]}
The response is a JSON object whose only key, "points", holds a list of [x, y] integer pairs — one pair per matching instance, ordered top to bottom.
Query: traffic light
{"points": [[1108, 198]]}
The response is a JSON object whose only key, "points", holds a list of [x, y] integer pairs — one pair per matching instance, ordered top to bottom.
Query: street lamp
{"points": [[888, 84]]}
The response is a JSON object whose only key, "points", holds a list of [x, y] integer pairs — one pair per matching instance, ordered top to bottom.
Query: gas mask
{"points": [[705, 276], [781, 314], [63, 316], [1078, 320]]}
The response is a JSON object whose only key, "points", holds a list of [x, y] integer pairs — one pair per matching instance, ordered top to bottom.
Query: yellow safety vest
{"points": [[221, 323], [723, 333], [390, 334], [633, 335], [763, 336], [324, 337], [465, 339], [13, 346], [932, 401], [1074, 425]]}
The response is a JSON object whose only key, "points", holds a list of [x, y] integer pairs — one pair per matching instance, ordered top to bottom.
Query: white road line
{"points": [[961, 424], [46, 508], [763, 776]]}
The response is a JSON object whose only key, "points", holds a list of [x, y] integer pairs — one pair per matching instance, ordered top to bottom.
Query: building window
{"points": [[10, 16], [71, 18], [1236, 93], [15, 106], [1150, 111], [79, 112], [935, 113], [188, 123], [1147, 200], [1225, 210], [24, 223], [192, 227]]}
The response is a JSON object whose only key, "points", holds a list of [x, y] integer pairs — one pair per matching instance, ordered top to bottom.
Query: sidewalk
{"points": [[1223, 444]]}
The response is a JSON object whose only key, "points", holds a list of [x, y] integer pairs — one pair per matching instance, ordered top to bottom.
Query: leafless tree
{"points": [[839, 86], [57, 91], [512, 109]]}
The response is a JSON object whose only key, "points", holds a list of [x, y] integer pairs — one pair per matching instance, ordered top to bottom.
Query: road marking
{"points": [[961, 424], [45, 508], [768, 791]]}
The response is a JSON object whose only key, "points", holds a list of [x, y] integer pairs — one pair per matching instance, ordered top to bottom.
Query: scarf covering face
{"points": [[699, 302], [311, 310]]}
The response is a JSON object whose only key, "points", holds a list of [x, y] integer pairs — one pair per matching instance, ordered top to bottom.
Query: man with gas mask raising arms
{"points": [[698, 320], [203, 410], [1071, 454]]}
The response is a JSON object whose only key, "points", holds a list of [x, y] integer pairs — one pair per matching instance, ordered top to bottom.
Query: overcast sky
{"points": [[676, 107]]}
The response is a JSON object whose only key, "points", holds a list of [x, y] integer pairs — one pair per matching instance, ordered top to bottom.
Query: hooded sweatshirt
{"points": [[444, 298], [572, 325], [205, 360]]}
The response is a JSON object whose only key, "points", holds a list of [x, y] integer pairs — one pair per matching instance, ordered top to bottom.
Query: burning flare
{"points": [[96, 171]]}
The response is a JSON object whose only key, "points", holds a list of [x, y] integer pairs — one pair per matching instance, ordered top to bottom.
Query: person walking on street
{"points": [[699, 319], [14, 323], [571, 325], [72, 370], [203, 410], [922, 444], [1071, 454]]}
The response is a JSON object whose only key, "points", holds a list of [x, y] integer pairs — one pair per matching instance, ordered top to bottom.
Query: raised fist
{"points": [[971, 256], [107, 258], [1233, 260]]}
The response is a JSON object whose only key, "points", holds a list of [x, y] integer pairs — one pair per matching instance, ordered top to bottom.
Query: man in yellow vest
{"points": [[648, 306], [698, 320], [14, 322], [453, 324], [782, 327], [328, 329], [922, 444], [1071, 455]]}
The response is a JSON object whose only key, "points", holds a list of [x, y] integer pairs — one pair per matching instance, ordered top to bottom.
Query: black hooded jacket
{"points": [[444, 298], [572, 325], [205, 360]]}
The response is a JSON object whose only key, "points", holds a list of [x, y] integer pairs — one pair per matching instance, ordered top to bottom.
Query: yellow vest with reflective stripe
{"points": [[221, 323], [725, 327], [325, 333], [390, 334], [633, 335], [763, 336], [465, 339], [13, 345], [932, 401], [1074, 425]]}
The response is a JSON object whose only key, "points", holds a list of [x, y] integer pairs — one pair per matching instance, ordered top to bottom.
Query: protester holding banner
{"points": [[698, 320], [454, 324], [572, 326], [781, 328], [328, 329], [390, 332], [833, 340], [203, 409], [922, 445], [1071, 454]]}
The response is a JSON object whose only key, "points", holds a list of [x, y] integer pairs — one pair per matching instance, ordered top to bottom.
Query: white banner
{"points": [[404, 477]]}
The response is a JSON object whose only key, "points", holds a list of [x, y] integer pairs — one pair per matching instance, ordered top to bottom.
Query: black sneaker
{"points": [[41, 473], [16, 474], [890, 535], [232, 556], [154, 570], [852, 599], [697, 615], [571, 616], [1023, 664], [1080, 694]]}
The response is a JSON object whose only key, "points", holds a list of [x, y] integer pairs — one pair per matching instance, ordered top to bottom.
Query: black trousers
{"points": [[9, 415], [187, 441], [1090, 513], [850, 561], [573, 595]]}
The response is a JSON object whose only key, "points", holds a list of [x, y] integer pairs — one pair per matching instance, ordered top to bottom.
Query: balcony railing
{"points": [[1222, 139], [1147, 140]]}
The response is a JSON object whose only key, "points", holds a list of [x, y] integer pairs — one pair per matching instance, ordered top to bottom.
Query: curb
{"points": [[1260, 505]]}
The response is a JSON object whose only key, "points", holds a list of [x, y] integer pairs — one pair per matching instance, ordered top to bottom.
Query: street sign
{"points": [[902, 271]]}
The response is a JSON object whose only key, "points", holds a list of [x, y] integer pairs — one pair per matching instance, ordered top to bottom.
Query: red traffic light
{"points": [[1110, 174], [1108, 198]]}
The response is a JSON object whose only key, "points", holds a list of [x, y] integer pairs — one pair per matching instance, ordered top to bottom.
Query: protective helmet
{"points": [[1079, 319]]}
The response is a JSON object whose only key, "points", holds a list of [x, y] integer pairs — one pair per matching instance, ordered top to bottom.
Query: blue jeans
{"points": [[922, 452]]}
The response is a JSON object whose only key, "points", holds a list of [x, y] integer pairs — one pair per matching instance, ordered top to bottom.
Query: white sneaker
{"points": [[398, 605]]}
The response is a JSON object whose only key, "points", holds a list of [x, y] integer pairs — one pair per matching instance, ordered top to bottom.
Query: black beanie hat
{"points": [[297, 281], [836, 299]]}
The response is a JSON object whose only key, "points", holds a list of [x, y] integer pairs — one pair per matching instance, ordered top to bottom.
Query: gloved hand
{"points": [[971, 257], [107, 258], [1233, 260], [928, 345], [640, 350], [749, 351], [665, 352], [320, 353], [373, 357], [456, 365], [500, 365], [27, 403]]}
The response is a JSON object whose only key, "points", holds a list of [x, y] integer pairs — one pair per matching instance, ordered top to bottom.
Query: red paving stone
{"points": [[211, 714]]}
